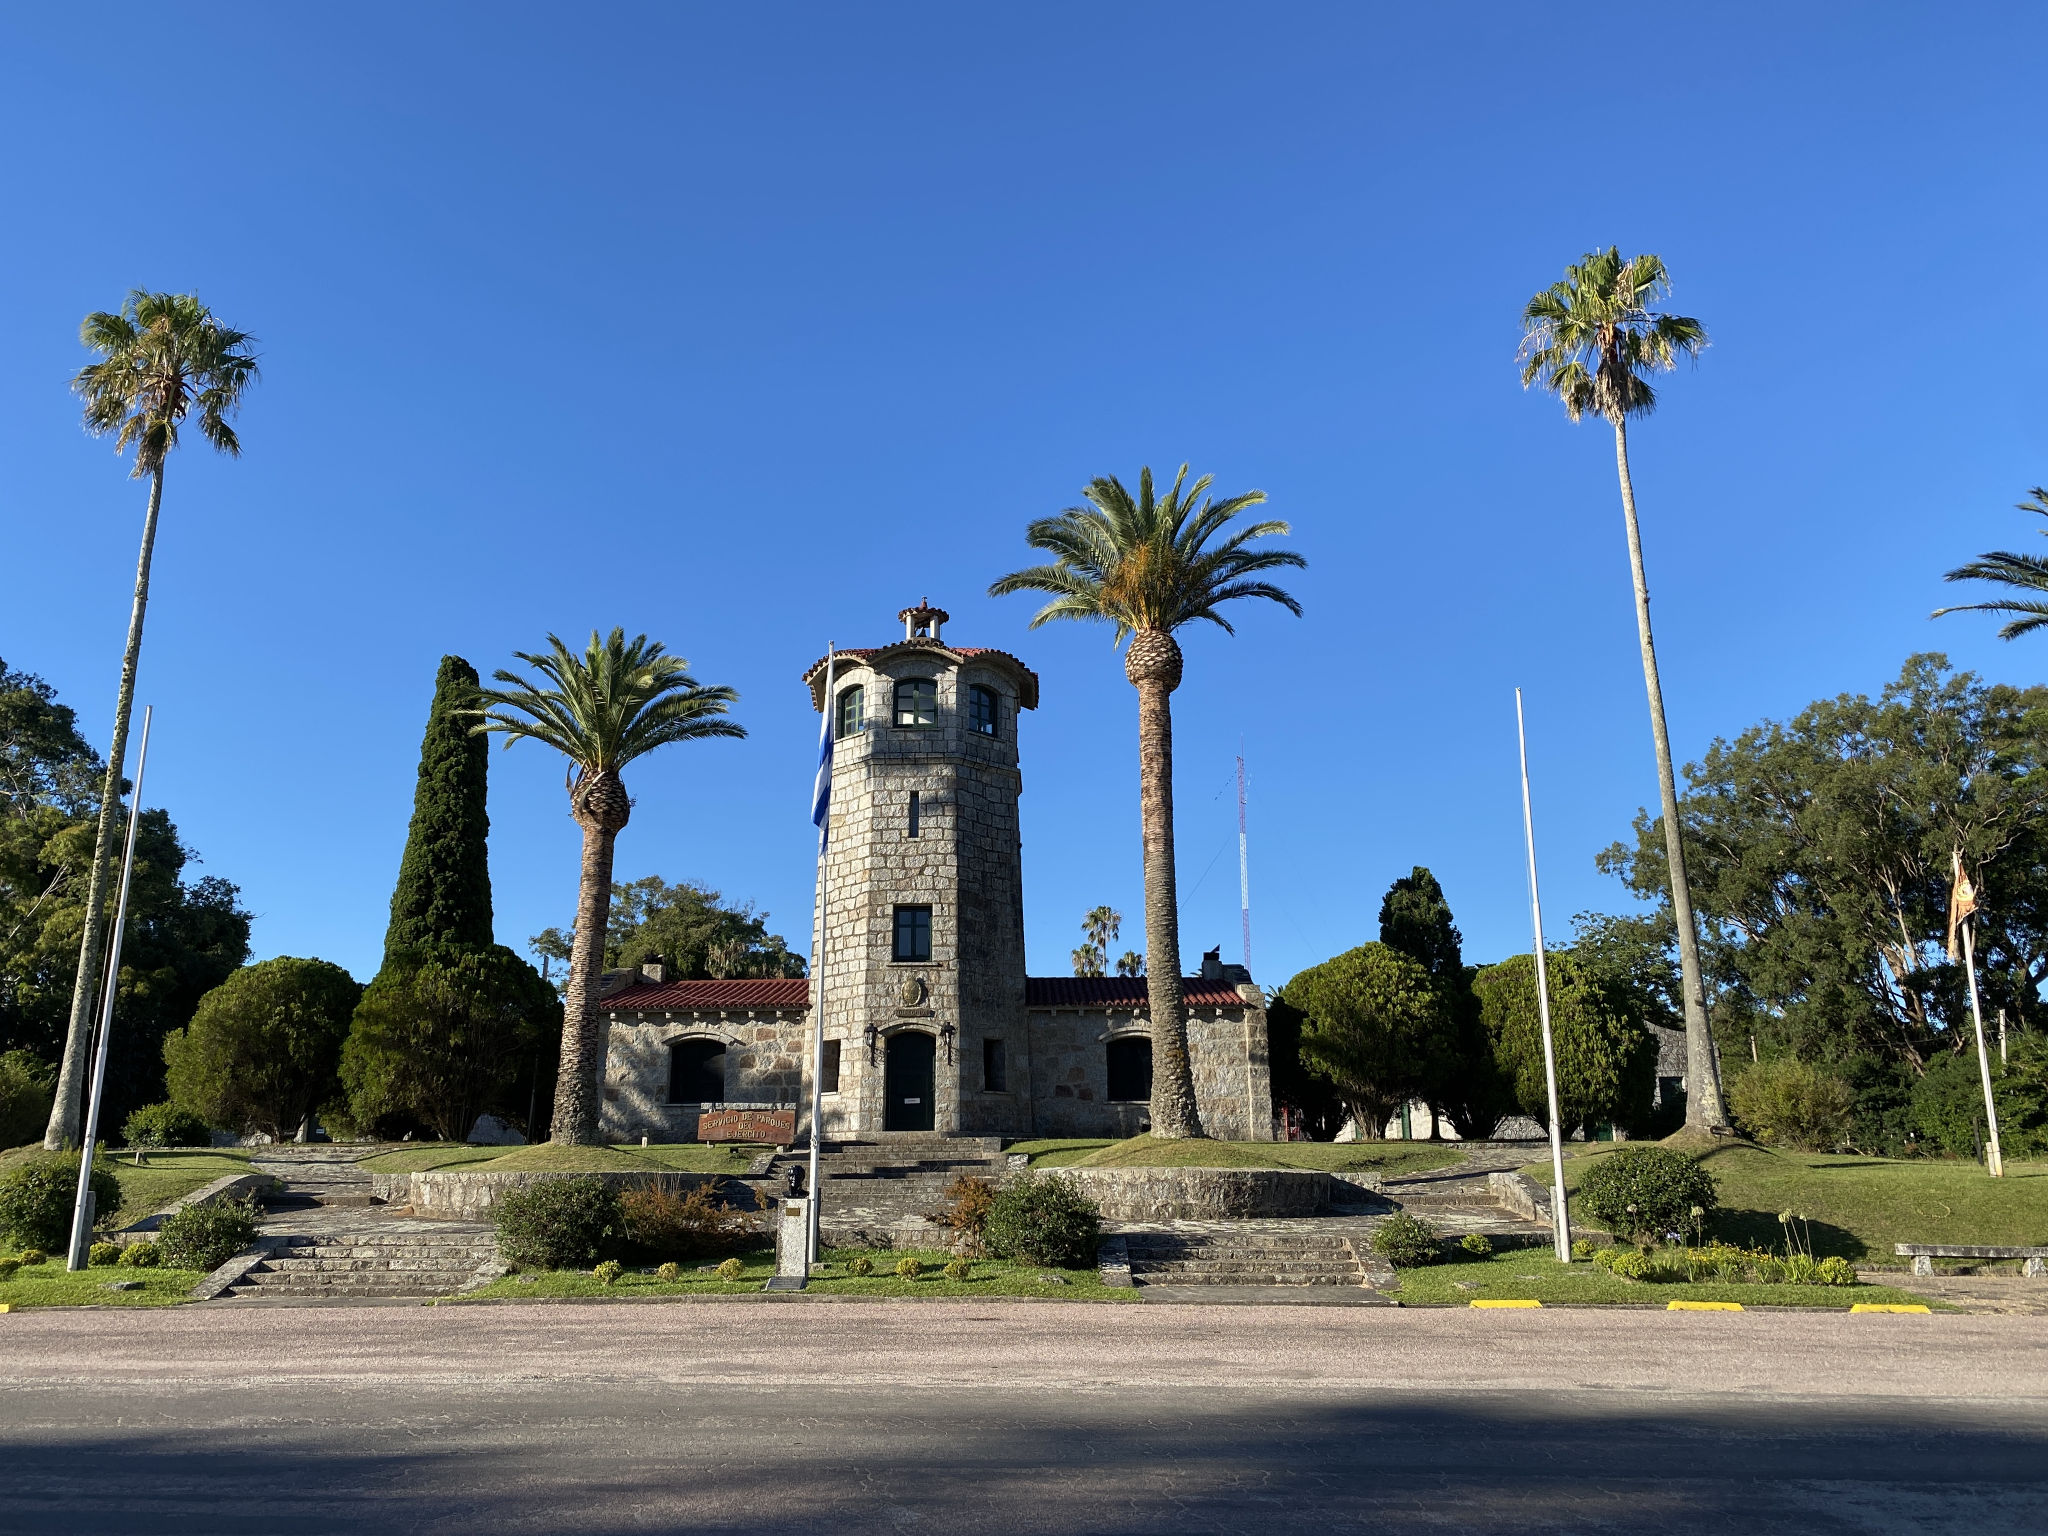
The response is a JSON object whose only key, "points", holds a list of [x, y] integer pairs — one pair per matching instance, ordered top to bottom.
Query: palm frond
{"points": [[1591, 338], [161, 355]]}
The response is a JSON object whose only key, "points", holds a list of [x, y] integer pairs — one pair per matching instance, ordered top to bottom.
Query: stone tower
{"points": [[921, 972]]}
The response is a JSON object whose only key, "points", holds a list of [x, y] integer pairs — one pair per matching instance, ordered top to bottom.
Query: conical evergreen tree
{"points": [[444, 880], [1416, 920]]}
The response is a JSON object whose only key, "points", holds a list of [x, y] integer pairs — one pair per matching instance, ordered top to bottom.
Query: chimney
{"points": [[1212, 964], [653, 970]]}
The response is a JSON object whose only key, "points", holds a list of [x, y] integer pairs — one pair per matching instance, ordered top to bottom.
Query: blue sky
{"points": [[746, 326]]}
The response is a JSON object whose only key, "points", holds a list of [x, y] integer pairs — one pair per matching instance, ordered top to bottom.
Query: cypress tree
{"points": [[444, 880]]}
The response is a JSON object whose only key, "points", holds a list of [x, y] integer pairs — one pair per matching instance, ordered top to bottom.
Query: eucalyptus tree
{"points": [[1591, 339], [164, 356], [1145, 564], [2022, 573], [616, 702]]}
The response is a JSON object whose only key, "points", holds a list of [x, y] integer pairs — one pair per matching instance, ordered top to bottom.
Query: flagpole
{"points": [[821, 803], [1994, 1161], [1560, 1221]]}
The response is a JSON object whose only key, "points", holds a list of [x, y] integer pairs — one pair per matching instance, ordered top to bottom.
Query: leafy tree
{"points": [[1591, 340], [161, 357], [1144, 565], [2023, 573], [601, 710], [44, 761], [444, 879], [1099, 928], [692, 932], [555, 947], [1373, 1027], [445, 1034], [261, 1051], [1606, 1059], [25, 1084], [1295, 1084], [1464, 1084], [1786, 1102]]}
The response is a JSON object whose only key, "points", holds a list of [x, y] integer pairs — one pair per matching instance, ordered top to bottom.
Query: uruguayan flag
{"points": [[821, 791]]}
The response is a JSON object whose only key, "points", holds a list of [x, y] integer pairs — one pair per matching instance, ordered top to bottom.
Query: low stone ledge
{"points": [[232, 1187], [454, 1194], [1201, 1194], [1522, 1195], [1113, 1261], [240, 1265]]}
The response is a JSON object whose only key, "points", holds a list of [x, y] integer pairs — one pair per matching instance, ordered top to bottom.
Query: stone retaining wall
{"points": [[452, 1194], [1201, 1194]]}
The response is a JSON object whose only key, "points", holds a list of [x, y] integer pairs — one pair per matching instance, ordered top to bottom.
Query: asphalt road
{"points": [[963, 1418]]}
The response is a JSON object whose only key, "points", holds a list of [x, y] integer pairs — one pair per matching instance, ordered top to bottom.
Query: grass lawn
{"points": [[680, 1157], [1387, 1157], [163, 1178], [1858, 1207], [1534, 1275], [990, 1277], [49, 1284]]}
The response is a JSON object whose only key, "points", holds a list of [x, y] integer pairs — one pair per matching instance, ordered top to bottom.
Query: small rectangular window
{"points": [[917, 702], [982, 710], [852, 712], [913, 813], [913, 933], [995, 1070], [828, 1080]]}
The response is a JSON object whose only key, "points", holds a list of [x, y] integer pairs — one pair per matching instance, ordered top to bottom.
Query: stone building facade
{"points": [[930, 1022]]}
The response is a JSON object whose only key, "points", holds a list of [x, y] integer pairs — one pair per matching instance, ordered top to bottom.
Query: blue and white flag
{"points": [[821, 791]]}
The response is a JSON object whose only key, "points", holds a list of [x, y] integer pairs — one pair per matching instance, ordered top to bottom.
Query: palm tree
{"points": [[1590, 340], [161, 356], [1143, 564], [2027, 573], [615, 702], [1101, 926]]}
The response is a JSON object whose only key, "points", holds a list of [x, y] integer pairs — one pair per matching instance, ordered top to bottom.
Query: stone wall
{"points": [[1226, 1053], [764, 1068], [452, 1194], [1200, 1194]]}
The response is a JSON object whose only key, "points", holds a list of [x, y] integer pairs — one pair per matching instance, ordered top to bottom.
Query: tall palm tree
{"points": [[1591, 339], [161, 357], [1144, 565], [2025, 573], [615, 702], [1101, 926]]}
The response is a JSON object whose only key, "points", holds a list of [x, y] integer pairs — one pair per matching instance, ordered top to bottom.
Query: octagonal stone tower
{"points": [[921, 971]]}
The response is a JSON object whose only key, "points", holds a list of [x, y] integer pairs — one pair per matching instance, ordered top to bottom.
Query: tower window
{"points": [[917, 702], [983, 710], [853, 715], [913, 813], [913, 933], [995, 1069], [1130, 1069], [828, 1080]]}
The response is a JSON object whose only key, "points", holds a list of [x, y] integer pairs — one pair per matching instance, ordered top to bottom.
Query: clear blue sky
{"points": [[746, 326]]}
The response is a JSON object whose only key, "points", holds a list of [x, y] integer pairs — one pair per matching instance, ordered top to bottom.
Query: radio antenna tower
{"points": [[1244, 865]]}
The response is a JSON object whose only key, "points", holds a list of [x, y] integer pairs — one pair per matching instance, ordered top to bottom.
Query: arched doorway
{"points": [[1130, 1069], [696, 1071], [907, 1082]]}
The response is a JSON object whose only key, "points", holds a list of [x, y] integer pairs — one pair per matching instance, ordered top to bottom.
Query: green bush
{"points": [[261, 1051], [25, 1084], [1789, 1103], [165, 1125], [1643, 1192], [36, 1198], [1043, 1219], [559, 1223], [206, 1236], [1407, 1242], [1478, 1244], [1582, 1249], [99, 1255], [142, 1255], [33, 1256], [1626, 1263], [8, 1265], [860, 1266], [909, 1267], [958, 1269], [731, 1270], [1835, 1270], [608, 1272], [669, 1272]]}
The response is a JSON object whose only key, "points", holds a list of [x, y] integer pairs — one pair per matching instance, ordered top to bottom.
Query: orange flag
{"points": [[1962, 902]]}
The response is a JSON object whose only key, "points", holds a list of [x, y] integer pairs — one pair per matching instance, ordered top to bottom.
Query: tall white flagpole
{"points": [[822, 813], [1994, 1160], [81, 1210], [1560, 1222]]}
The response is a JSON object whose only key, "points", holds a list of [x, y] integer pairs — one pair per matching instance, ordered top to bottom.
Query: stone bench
{"points": [[1923, 1255]]}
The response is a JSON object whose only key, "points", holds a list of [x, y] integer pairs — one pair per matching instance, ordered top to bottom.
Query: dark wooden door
{"points": [[907, 1082]]}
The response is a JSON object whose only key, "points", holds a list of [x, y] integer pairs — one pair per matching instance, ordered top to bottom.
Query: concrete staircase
{"points": [[876, 1193], [1304, 1252]]}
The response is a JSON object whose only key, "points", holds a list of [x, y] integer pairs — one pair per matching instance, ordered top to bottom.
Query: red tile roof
{"points": [[1121, 992], [682, 996]]}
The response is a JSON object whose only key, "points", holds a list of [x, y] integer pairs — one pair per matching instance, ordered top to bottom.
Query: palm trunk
{"points": [[1153, 664], [577, 1087], [1704, 1109], [67, 1114]]}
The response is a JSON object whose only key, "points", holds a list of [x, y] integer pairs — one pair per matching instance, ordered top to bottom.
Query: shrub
{"points": [[25, 1084], [1789, 1103], [1947, 1105], [165, 1125], [1643, 1191], [35, 1199], [968, 1203], [1043, 1219], [559, 1223], [659, 1223], [206, 1236], [1406, 1242], [1478, 1244], [1583, 1249], [99, 1255], [143, 1255], [34, 1256], [1628, 1264], [8, 1266], [860, 1266], [909, 1267], [957, 1268], [1802, 1269], [731, 1270], [1835, 1270], [670, 1271], [608, 1272]]}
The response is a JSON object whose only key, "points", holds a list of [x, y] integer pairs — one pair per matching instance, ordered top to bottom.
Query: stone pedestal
{"points": [[792, 1246]]}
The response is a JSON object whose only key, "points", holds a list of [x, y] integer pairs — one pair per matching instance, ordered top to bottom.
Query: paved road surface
{"points": [[963, 1418]]}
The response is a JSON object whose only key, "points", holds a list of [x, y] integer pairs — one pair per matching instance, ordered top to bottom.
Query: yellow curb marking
{"points": [[1507, 1303], [8, 1306], [1703, 1306], [1880, 1306]]}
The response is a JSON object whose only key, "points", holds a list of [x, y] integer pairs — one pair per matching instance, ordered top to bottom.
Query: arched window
{"points": [[917, 702], [984, 709], [853, 717], [1130, 1069], [696, 1072]]}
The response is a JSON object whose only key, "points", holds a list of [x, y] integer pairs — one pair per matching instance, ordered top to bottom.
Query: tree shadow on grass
{"points": [[1762, 1229]]}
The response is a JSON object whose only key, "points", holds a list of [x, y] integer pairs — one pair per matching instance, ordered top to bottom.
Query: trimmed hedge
{"points": [[1644, 1192], [36, 1199], [1043, 1219], [560, 1223]]}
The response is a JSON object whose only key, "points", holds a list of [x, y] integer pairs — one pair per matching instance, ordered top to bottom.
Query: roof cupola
{"points": [[924, 621]]}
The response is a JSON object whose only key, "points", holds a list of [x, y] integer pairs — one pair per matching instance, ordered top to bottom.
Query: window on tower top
{"points": [[917, 702], [983, 710], [852, 711]]}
